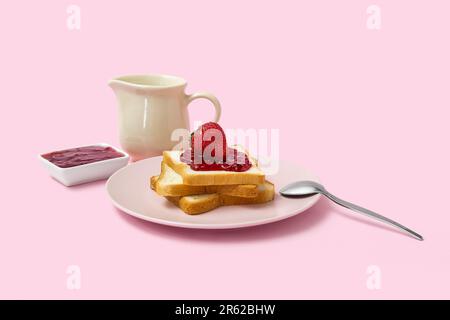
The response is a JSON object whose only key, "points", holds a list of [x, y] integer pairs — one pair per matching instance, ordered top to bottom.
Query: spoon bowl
{"points": [[301, 189]]}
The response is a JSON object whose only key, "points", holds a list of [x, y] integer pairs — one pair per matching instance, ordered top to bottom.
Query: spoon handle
{"points": [[372, 214]]}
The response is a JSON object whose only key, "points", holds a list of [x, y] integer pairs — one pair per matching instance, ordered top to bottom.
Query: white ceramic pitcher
{"points": [[151, 107]]}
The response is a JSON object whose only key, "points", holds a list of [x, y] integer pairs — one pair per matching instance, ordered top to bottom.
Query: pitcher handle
{"points": [[210, 97]]}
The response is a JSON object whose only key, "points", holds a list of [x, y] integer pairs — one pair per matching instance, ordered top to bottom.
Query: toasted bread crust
{"points": [[153, 181], [170, 188], [207, 202]]}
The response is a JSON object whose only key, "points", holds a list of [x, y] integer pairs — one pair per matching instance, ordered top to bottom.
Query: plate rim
{"points": [[209, 226]]}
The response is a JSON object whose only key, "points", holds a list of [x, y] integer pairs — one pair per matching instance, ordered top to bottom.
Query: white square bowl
{"points": [[86, 172]]}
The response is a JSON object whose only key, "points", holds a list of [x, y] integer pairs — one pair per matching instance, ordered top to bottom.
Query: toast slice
{"points": [[191, 177], [170, 184], [197, 204]]}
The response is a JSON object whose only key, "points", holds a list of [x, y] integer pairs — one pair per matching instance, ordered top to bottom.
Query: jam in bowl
{"points": [[84, 164]]}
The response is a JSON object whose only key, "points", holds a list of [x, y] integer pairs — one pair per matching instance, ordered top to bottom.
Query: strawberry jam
{"points": [[82, 155], [235, 161]]}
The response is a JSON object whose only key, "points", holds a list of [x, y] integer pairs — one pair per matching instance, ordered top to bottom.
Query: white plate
{"points": [[129, 190]]}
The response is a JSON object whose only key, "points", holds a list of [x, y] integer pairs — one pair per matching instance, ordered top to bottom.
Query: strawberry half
{"points": [[201, 137]]}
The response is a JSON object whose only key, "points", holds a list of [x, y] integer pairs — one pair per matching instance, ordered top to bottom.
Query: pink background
{"points": [[366, 110]]}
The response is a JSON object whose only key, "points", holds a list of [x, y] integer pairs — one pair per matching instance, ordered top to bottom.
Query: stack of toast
{"points": [[197, 192]]}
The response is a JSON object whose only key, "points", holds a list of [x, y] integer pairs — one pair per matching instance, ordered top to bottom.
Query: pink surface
{"points": [[366, 110]]}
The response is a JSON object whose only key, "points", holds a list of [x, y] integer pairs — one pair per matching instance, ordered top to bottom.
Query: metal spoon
{"points": [[309, 188]]}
